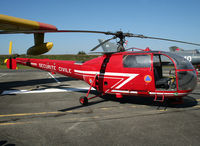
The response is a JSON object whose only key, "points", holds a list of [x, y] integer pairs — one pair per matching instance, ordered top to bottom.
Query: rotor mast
{"points": [[121, 42]]}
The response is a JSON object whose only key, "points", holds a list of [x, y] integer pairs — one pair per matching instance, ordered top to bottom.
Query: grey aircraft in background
{"points": [[191, 55]]}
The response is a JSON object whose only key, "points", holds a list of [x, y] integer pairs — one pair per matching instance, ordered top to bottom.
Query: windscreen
{"points": [[181, 62], [187, 80]]}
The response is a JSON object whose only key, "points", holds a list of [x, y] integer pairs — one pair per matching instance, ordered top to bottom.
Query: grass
{"points": [[82, 57]]}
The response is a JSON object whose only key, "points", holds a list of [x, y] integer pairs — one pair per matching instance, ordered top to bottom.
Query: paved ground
{"points": [[42, 111]]}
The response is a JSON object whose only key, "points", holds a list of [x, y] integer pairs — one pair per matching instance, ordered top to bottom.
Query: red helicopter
{"points": [[161, 75]]}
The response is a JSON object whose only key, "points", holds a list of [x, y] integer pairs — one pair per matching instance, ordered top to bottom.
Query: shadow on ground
{"points": [[13, 84], [188, 101], [5, 143]]}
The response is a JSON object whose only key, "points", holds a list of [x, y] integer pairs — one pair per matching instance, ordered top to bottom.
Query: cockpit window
{"points": [[137, 61], [181, 63]]}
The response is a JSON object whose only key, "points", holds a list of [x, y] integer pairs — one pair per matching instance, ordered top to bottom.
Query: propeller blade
{"points": [[164, 39], [102, 43]]}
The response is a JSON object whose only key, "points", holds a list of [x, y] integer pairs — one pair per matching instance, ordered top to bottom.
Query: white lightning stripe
{"points": [[86, 72], [106, 73], [131, 76], [126, 81], [114, 85]]}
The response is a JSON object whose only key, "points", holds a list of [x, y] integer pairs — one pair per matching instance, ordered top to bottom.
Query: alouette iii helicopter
{"points": [[161, 75]]}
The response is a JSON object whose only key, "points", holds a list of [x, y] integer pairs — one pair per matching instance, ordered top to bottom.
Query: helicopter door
{"points": [[140, 65], [164, 73]]}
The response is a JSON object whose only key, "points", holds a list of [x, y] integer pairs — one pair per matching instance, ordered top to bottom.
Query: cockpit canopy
{"points": [[181, 63], [167, 67]]}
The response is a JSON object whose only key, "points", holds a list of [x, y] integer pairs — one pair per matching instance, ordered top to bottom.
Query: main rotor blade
{"points": [[53, 31], [116, 34], [164, 39], [102, 43]]}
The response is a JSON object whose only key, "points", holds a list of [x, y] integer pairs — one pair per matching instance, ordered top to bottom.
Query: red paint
{"points": [[44, 26], [147, 49], [11, 63], [119, 95]]}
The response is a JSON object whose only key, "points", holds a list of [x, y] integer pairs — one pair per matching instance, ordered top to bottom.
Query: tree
{"points": [[81, 53]]}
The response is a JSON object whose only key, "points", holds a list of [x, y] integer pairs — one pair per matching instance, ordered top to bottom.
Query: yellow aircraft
{"points": [[9, 24]]}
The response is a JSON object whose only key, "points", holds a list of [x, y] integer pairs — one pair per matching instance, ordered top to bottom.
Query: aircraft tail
{"points": [[108, 47], [175, 49], [11, 62]]}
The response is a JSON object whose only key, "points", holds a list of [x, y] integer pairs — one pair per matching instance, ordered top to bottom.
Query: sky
{"points": [[172, 19]]}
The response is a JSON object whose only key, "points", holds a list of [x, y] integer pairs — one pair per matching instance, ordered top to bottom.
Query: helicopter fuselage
{"points": [[128, 73]]}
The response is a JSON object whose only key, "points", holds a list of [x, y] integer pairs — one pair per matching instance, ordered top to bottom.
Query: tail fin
{"points": [[108, 47], [10, 48], [175, 49], [11, 62]]}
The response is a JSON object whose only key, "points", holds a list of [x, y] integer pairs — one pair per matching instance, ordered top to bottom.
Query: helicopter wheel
{"points": [[83, 100]]}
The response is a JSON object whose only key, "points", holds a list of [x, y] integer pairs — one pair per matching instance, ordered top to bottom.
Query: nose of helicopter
{"points": [[185, 72], [187, 80]]}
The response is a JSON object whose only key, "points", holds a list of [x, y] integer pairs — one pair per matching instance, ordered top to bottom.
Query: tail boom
{"points": [[57, 66]]}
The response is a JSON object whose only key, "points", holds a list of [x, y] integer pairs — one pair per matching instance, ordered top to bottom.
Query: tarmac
{"points": [[36, 109]]}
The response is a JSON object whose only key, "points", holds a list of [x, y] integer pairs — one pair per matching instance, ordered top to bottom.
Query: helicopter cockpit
{"points": [[172, 72]]}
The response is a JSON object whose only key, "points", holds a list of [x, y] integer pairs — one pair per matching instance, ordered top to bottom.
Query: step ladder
{"points": [[159, 99]]}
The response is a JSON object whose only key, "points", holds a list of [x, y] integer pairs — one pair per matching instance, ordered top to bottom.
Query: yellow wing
{"points": [[14, 25]]}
